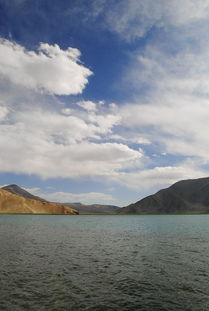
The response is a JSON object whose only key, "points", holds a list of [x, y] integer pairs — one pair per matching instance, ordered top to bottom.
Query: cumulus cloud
{"points": [[50, 69], [42, 136]]}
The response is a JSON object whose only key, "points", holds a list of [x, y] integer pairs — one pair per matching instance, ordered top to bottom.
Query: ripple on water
{"points": [[108, 264]]}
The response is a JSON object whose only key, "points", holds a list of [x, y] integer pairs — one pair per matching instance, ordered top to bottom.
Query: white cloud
{"points": [[50, 70], [49, 144], [50, 160]]}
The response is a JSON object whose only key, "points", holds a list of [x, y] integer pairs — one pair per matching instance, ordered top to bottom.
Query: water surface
{"points": [[104, 262]]}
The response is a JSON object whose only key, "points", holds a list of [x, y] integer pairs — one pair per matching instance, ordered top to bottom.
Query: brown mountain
{"points": [[15, 189], [186, 196], [14, 204], [93, 208]]}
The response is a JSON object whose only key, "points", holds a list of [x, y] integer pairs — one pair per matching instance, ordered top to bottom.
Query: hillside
{"points": [[186, 196], [14, 204]]}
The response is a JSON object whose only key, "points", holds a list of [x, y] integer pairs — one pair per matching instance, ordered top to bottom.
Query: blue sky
{"points": [[103, 101]]}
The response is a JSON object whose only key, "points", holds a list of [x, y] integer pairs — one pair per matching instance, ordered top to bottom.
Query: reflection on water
{"points": [[104, 263]]}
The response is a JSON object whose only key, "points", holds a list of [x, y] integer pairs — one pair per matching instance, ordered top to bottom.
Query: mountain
{"points": [[22, 192], [186, 196], [15, 204], [82, 208], [93, 208]]}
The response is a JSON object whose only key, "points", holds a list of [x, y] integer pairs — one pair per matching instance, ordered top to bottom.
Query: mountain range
{"points": [[184, 197], [93, 208]]}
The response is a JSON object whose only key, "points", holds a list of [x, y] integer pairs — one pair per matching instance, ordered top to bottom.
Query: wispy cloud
{"points": [[133, 19], [174, 108]]}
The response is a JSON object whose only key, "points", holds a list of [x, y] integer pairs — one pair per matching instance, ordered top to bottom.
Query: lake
{"points": [[110, 262]]}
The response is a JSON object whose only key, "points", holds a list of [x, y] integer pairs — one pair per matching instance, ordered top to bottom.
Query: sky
{"points": [[103, 101]]}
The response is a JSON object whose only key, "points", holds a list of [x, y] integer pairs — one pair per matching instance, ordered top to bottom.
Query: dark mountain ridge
{"points": [[186, 196]]}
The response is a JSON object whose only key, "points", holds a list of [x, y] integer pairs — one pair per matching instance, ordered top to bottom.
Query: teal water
{"points": [[104, 263]]}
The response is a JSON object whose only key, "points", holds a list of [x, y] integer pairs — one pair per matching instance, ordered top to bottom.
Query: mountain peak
{"points": [[11, 185], [15, 189]]}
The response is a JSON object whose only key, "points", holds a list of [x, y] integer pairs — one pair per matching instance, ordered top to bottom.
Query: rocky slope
{"points": [[186, 196], [14, 204]]}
